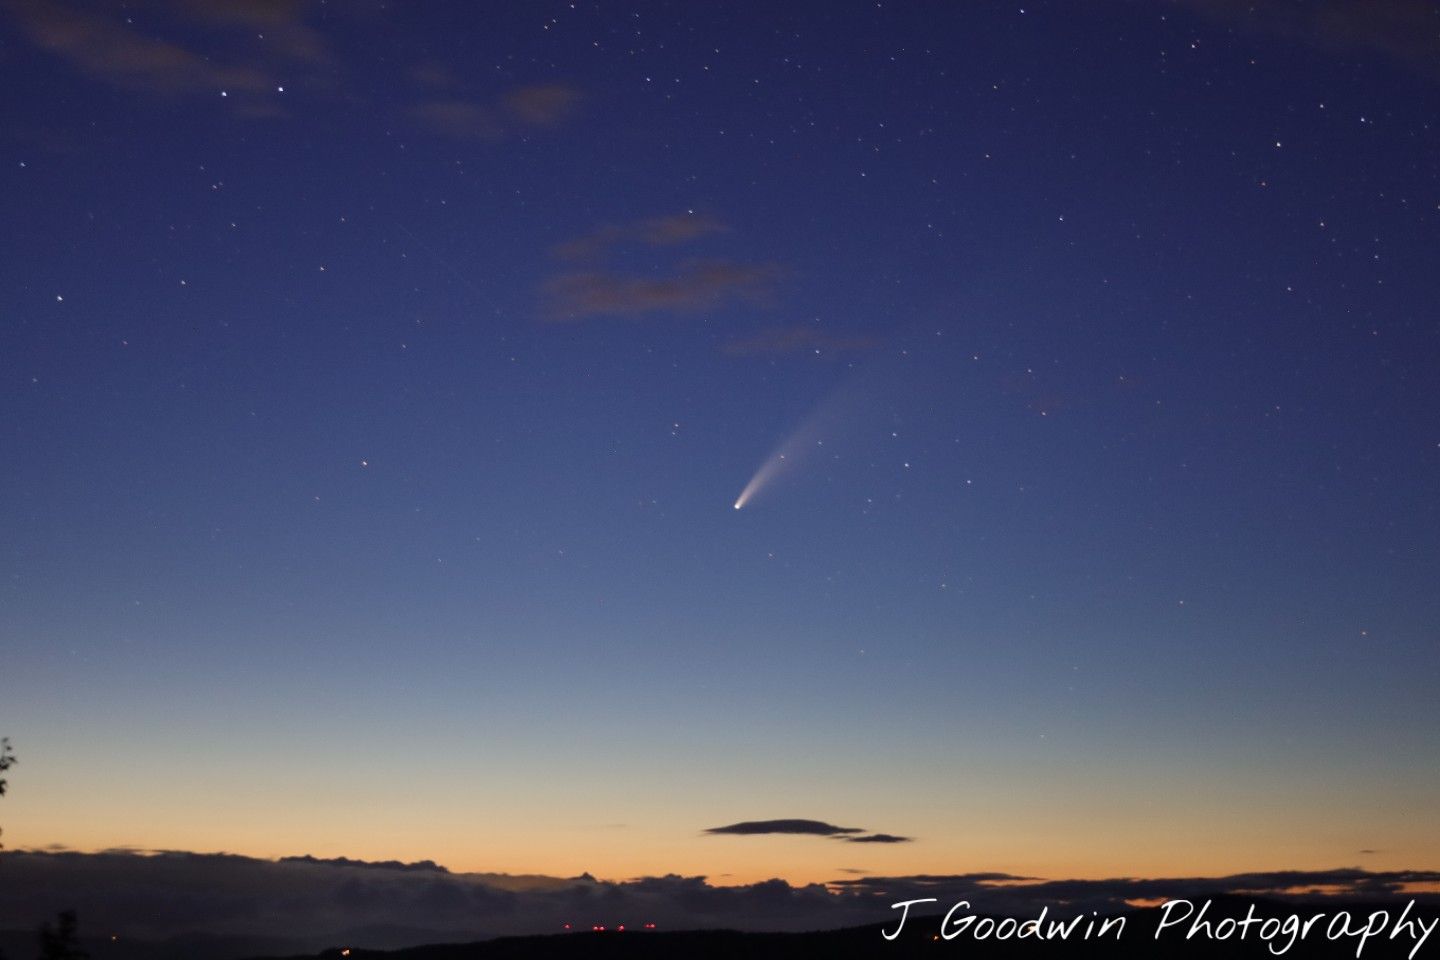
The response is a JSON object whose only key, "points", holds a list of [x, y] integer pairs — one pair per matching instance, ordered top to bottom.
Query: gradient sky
{"points": [[376, 384]]}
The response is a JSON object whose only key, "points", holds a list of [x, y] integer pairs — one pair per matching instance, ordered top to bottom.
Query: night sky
{"points": [[378, 384]]}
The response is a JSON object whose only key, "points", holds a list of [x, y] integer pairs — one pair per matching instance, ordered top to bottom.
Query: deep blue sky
{"points": [[389, 425]]}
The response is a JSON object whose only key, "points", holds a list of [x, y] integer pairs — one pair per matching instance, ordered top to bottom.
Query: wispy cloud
{"points": [[279, 24], [1406, 32], [101, 42], [105, 48], [255, 50], [433, 75], [542, 104], [523, 109], [458, 119], [653, 232], [694, 285], [595, 287]]}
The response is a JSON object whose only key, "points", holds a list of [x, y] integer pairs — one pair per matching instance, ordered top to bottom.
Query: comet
{"points": [[847, 417], [826, 418], [768, 471]]}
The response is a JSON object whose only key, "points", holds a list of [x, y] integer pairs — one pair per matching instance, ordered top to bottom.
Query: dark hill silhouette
{"points": [[919, 939]]}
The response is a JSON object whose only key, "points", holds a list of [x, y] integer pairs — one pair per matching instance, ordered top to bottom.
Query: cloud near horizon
{"points": [[880, 838]]}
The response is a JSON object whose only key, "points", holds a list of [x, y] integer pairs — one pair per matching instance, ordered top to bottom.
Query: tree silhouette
{"points": [[7, 760], [60, 942]]}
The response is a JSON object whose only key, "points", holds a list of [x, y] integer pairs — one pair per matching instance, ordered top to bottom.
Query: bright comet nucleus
{"points": [[767, 472]]}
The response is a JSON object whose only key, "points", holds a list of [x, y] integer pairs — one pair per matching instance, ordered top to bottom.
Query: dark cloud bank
{"points": [[815, 828], [311, 903]]}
